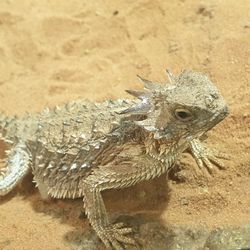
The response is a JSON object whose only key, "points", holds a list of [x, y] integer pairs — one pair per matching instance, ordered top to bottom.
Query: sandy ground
{"points": [[55, 51]]}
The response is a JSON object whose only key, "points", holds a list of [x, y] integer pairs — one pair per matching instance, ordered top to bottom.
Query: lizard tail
{"points": [[6, 123], [17, 167]]}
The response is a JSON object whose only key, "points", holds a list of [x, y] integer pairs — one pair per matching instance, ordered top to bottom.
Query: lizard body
{"points": [[83, 148]]}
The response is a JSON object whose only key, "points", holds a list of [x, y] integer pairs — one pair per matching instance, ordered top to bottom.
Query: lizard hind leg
{"points": [[17, 167]]}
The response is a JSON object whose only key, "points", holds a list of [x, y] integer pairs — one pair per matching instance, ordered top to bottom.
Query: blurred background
{"points": [[55, 51]]}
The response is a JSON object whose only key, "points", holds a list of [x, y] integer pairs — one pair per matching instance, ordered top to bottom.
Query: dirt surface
{"points": [[52, 52]]}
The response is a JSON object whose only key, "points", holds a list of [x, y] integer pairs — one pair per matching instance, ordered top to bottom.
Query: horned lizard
{"points": [[83, 148]]}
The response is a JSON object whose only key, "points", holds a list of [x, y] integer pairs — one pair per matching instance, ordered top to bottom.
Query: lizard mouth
{"points": [[220, 115], [217, 118], [213, 121], [203, 127]]}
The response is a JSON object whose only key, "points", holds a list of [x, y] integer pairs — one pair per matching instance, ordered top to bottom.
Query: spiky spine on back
{"points": [[76, 119], [55, 136], [66, 142], [62, 169]]}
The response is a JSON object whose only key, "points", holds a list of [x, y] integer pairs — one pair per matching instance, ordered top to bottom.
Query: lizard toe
{"points": [[116, 236]]}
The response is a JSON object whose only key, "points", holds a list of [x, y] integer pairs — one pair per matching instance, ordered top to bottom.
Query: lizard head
{"points": [[189, 106]]}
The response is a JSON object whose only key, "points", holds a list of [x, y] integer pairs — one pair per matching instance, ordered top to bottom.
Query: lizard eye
{"points": [[183, 114]]}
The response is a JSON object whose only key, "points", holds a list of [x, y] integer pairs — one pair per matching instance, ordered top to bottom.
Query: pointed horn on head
{"points": [[170, 75], [148, 84], [137, 93], [140, 109]]}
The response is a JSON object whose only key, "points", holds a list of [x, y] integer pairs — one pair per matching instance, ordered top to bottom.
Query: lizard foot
{"points": [[206, 158], [115, 236]]}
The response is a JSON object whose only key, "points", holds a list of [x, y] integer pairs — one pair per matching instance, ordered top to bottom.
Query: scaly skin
{"points": [[83, 148]]}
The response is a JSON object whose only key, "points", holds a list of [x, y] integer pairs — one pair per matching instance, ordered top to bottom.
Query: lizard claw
{"points": [[207, 158], [115, 236]]}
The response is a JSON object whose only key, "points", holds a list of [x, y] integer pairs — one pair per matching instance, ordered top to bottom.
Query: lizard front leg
{"points": [[206, 157], [126, 170], [114, 175], [111, 235]]}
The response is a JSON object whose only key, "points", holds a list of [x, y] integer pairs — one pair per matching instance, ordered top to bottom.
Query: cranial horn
{"points": [[170, 75], [148, 84], [137, 93], [141, 108]]}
